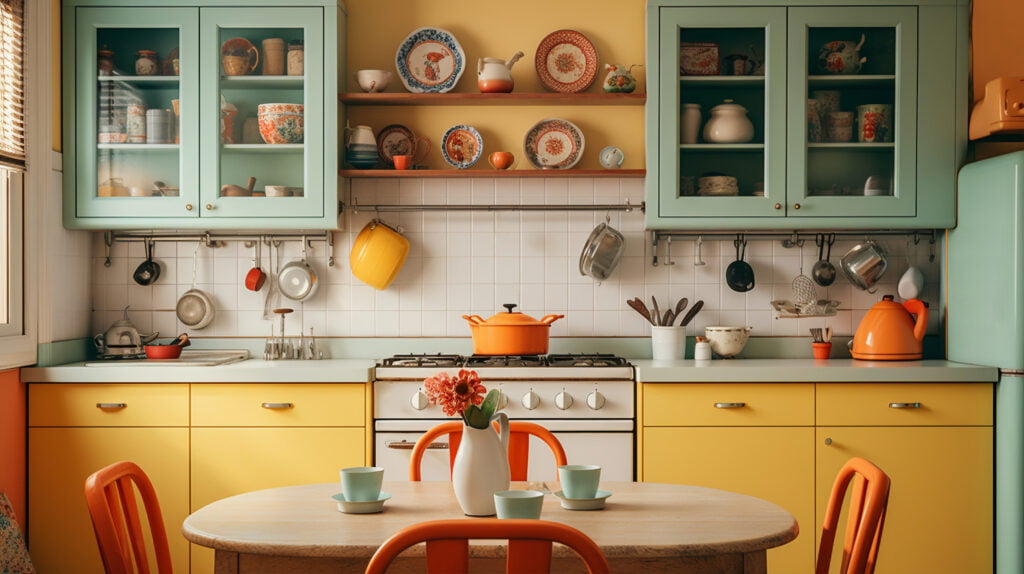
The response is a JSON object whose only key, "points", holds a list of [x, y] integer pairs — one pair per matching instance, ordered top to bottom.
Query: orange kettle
{"points": [[889, 333]]}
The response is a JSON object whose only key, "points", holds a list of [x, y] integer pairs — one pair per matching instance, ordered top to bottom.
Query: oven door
{"points": [[608, 443]]}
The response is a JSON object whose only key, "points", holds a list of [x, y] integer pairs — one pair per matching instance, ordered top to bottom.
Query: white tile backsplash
{"points": [[472, 262]]}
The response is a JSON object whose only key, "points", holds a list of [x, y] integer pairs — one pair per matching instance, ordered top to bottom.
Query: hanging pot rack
{"points": [[381, 208], [219, 239]]}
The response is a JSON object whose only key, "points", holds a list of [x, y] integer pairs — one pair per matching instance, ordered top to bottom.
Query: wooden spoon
{"points": [[680, 306], [639, 307], [655, 312], [692, 313]]}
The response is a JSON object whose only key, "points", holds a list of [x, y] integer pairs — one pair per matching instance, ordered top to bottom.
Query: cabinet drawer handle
{"points": [[111, 405], [277, 405], [730, 405], [904, 405], [406, 445]]}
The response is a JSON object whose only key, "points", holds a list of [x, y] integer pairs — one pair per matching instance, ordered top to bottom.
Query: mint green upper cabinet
{"points": [[162, 107], [805, 168]]}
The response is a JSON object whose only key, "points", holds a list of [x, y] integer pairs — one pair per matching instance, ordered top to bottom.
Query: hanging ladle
{"points": [[148, 271], [823, 272], [739, 275]]}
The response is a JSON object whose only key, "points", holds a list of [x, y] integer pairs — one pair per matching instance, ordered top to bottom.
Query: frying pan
{"points": [[602, 252], [148, 271], [739, 275], [297, 280], [195, 307]]}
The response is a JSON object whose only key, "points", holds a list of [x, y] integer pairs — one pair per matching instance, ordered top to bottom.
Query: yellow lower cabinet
{"points": [[230, 461], [772, 463], [939, 518], [61, 540]]}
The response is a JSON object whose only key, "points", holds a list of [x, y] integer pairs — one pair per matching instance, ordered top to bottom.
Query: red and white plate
{"points": [[566, 62], [554, 143]]}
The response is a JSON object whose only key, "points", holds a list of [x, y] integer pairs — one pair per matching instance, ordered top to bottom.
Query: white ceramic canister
{"points": [[296, 59], [691, 123], [728, 124], [668, 343], [702, 350]]}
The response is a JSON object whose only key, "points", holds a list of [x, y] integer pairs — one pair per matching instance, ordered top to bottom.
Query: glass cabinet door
{"points": [[135, 97], [722, 108], [852, 114], [262, 122]]}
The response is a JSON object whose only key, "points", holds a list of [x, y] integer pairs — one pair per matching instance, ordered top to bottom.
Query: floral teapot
{"points": [[841, 57], [494, 75], [619, 79]]}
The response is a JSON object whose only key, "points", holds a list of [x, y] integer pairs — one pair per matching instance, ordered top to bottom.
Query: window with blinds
{"points": [[12, 88], [12, 167]]}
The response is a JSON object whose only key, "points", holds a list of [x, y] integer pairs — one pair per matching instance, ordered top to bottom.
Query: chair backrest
{"points": [[518, 446], [110, 493], [869, 498], [529, 545]]}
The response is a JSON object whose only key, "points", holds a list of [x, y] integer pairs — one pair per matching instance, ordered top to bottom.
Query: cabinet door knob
{"points": [[778, 206], [796, 206], [188, 207], [209, 207], [828, 441]]}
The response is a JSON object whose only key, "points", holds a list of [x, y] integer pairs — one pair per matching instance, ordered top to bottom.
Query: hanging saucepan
{"points": [[602, 251], [378, 253], [148, 271], [297, 280], [195, 307]]}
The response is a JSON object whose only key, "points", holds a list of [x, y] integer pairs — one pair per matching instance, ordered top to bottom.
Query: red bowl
{"points": [[163, 351]]}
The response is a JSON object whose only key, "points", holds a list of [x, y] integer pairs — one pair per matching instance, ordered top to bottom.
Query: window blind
{"points": [[12, 84]]}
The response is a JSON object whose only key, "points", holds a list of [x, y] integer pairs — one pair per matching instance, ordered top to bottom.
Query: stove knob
{"points": [[531, 400], [563, 400], [595, 400], [420, 401], [502, 401]]}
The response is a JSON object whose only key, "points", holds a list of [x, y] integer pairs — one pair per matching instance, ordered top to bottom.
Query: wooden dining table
{"points": [[644, 527]]}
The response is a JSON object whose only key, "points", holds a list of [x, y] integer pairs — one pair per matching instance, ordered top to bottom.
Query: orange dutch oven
{"points": [[510, 333]]}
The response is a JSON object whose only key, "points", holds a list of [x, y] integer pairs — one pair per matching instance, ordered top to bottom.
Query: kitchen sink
{"points": [[188, 358]]}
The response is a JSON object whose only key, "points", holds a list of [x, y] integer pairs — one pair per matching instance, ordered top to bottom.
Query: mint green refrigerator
{"points": [[985, 320]]}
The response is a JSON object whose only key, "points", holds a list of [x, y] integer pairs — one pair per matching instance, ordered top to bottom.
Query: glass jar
{"points": [[296, 58], [105, 62], [146, 63]]}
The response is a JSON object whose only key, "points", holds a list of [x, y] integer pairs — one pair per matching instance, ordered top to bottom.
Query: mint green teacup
{"points": [[579, 480], [361, 483], [518, 503]]}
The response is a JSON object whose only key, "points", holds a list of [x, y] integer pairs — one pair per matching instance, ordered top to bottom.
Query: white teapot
{"points": [[494, 75], [728, 124]]}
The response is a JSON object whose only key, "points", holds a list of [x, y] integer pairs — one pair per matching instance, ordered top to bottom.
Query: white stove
{"points": [[586, 400]]}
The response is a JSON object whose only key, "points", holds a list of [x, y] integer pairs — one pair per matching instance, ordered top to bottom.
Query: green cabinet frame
{"points": [[927, 83], [204, 164]]}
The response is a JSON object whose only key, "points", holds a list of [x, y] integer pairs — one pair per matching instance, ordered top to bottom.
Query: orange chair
{"points": [[518, 446], [110, 493], [868, 500], [529, 545]]}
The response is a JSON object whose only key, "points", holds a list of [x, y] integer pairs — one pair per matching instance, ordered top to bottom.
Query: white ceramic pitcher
{"points": [[481, 467]]}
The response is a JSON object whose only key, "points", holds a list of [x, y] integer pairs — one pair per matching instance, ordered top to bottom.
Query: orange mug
{"points": [[501, 159], [402, 161]]}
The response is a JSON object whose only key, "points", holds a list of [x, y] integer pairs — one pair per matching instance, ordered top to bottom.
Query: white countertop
{"points": [[360, 370]]}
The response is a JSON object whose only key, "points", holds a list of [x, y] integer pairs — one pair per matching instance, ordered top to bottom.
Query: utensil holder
{"points": [[668, 343], [821, 350]]}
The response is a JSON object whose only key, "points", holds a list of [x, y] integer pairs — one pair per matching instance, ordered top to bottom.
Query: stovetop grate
{"points": [[423, 360], [586, 360], [481, 361]]}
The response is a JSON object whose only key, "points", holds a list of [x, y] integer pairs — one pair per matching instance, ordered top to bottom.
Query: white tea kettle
{"points": [[122, 339]]}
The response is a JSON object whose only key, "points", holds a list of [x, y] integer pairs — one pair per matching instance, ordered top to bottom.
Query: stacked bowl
{"points": [[281, 123], [361, 156]]}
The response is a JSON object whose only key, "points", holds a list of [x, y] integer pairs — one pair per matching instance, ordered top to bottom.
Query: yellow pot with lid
{"points": [[378, 254]]}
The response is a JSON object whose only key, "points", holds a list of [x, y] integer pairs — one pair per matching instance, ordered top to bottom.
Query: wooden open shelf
{"points": [[521, 99], [364, 173]]}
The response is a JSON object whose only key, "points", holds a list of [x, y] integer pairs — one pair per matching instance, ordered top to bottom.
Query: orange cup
{"points": [[501, 159], [402, 161], [821, 350]]}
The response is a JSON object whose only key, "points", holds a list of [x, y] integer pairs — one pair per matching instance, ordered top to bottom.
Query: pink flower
{"points": [[455, 394]]}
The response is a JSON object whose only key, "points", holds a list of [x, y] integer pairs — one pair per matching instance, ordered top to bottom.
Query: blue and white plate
{"points": [[430, 60], [462, 146]]}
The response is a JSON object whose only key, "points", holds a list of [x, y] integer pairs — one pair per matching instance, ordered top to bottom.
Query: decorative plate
{"points": [[430, 60], [566, 62], [393, 140], [554, 143], [461, 146]]}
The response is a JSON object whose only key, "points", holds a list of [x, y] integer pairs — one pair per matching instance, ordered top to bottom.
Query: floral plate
{"points": [[430, 60], [566, 62], [393, 140], [554, 143], [462, 146]]}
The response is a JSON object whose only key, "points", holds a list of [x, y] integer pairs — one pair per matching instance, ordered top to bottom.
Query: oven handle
{"points": [[406, 445]]}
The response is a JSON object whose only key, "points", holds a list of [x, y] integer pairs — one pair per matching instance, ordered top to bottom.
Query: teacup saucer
{"points": [[596, 503], [367, 507]]}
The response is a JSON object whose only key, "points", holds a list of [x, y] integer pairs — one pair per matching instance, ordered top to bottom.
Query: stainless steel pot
{"points": [[601, 252], [864, 265], [297, 280]]}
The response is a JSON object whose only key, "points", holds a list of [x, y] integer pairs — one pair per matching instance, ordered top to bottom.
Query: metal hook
{"points": [[917, 238], [108, 241], [330, 248], [654, 248], [668, 252], [699, 261]]}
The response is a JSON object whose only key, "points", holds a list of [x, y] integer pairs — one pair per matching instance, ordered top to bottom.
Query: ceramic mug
{"points": [[373, 81], [874, 123], [839, 126], [501, 159], [402, 161], [579, 481], [361, 483], [518, 503]]}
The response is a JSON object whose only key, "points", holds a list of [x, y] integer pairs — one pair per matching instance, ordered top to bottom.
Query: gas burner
{"points": [[414, 360], [586, 360], [505, 361]]}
